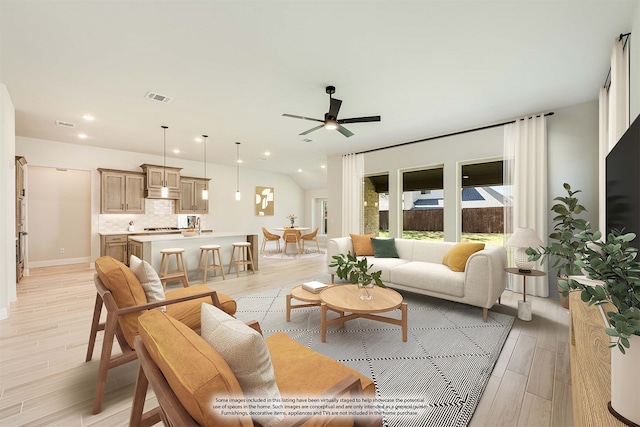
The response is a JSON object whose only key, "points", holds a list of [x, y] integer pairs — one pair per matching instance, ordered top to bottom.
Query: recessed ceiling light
{"points": [[88, 117], [82, 136], [198, 139], [176, 151], [266, 153], [239, 160], [322, 166], [299, 170]]}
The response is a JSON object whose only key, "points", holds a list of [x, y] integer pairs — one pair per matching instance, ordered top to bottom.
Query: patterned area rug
{"points": [[436, 378]]}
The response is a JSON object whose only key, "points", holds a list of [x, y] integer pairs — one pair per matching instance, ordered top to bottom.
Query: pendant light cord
{"points": [[164, 156], [237, 167], [206, 187]]}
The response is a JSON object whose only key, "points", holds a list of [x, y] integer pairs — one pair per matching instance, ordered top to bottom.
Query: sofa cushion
{"points": [[362, 245], [384, 248], [456, 257], [385, 265], [429, 277], [149, 280], [246, 353], [194, 370]]}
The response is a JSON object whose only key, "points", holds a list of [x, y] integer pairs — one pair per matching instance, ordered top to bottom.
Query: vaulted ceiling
{"points": [[232, 68]]}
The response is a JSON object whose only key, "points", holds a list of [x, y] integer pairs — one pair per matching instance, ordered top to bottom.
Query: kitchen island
{"points": [[148, 247]]}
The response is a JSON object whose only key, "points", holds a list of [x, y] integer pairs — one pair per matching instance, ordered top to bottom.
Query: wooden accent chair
{"points": [[269, 237], [291, 237], [311, 237], [120, 291], [188, 376]]}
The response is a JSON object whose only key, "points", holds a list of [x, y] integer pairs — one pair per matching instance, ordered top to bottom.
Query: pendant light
{"points": [[237, 171], [205, 191], [164, 192]]}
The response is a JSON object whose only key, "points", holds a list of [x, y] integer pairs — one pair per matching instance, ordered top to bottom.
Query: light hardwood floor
{"points": [[45, 381]]}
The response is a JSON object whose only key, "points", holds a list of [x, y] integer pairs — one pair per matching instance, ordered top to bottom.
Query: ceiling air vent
{"points": [[157, 97], [65, 124]]}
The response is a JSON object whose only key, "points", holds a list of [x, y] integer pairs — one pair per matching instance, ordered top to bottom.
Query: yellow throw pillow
{"points": [[362, 245], [456, 257]]}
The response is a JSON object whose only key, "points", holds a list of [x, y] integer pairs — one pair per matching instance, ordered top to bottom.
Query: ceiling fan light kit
{"points": [[331, 121]]}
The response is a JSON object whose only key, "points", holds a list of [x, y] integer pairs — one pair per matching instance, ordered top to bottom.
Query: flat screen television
{"points": [[623, 183]]}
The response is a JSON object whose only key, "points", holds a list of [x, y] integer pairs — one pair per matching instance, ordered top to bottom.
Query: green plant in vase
{"points": [[565, 247], [357, 271]]}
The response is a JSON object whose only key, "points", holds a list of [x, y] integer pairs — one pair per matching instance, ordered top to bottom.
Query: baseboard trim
{"points": [[54, 262]]}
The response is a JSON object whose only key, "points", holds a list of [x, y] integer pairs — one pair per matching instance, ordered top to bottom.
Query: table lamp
{"points": [[521, 239]]}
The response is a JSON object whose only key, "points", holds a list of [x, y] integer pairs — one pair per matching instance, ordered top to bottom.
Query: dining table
{"points": [[294, 228]]}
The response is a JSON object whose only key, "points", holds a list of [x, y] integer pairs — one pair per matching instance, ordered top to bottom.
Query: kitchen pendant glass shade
{"points": [[237, 171], [164, 191], [205, 191]]}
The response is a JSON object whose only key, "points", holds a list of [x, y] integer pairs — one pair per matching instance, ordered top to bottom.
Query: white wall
{"points": [[7, 203], [225, 212]]}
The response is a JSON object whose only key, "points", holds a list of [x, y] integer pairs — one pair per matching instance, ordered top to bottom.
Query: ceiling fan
{"points": [[331, 120]]}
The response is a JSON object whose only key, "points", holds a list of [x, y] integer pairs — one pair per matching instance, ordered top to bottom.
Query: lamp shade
{"points": [[521, 239]]}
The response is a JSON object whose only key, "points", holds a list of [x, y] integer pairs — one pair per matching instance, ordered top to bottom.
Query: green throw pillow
{"points": [[384, 248]]}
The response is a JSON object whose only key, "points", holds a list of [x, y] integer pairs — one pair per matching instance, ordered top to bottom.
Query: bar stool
{"points": [[204, 251], [241, 256], [179, 273]]}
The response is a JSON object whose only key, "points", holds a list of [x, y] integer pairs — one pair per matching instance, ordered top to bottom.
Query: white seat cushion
{"points": [[430, 277]]}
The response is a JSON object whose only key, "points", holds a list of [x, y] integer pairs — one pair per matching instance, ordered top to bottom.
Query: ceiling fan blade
{"points": [[334, 107], [303, 118], [360, 119], [312, 129], [343, 130]]}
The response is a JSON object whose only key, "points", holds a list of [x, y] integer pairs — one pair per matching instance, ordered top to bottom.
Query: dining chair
{"points": [[291, 236], [269, 237], [311, 237]]}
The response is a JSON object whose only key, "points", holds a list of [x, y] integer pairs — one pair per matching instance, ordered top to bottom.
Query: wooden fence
{"points": [[474, 220]]}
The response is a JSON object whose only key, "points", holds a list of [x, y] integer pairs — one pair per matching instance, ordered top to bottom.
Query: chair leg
{"points": [[264, 242], [233, 251], [220, 261], [200, 267], [185, 282], [95, 326], [105, 358]]}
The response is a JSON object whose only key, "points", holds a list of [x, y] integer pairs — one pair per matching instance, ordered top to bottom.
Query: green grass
{"points": [[487, 238]]}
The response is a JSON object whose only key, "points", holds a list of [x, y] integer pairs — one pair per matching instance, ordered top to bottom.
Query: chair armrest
{"points": [[150, 305], [253, 324], [349, 385]]}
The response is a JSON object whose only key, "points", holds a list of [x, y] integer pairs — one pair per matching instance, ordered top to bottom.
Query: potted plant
{"points": [[565, 246], [614, 265], [357, 271]]}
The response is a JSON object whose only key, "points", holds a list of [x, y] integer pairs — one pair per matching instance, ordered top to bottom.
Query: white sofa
{"points": [[419, 269]]}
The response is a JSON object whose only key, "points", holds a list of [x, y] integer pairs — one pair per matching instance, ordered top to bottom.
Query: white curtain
{"points": [[614, 114], [352, 174], [525, 175]]}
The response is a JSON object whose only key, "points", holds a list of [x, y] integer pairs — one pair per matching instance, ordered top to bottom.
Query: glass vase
{"points": [[365, 291]]}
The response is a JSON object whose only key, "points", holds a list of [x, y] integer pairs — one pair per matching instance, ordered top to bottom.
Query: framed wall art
{"points": [[264, 201]]}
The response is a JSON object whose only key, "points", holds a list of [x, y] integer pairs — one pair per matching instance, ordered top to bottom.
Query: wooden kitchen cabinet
{"points": [[155, 175], [121, 192], [191, 200], [115, 246], [135, 248]]}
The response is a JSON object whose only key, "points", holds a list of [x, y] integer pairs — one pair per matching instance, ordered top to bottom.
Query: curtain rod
{"points": [[623, 47], [447, 135]]}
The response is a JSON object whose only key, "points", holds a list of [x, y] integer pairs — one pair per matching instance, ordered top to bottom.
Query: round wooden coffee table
{"points": [[345, 298], [312, 300]]}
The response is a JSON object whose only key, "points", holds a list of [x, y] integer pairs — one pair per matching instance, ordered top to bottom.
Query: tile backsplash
{"points": [[158, 213]]}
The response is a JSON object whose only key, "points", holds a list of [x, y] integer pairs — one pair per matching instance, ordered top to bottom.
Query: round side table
{"points": [[524, 306]]}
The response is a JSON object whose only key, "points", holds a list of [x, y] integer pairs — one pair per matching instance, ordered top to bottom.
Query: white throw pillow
{"points": [[149, 279], [246, 353]]}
